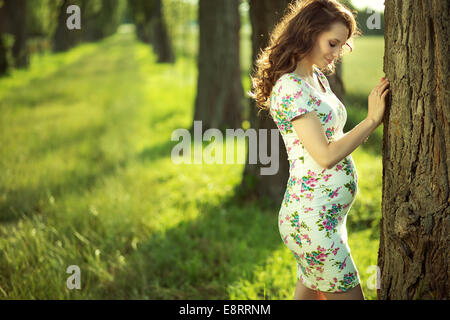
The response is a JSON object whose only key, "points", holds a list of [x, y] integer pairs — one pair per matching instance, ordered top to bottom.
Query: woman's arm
{"points": [[342, 147], [328, 154]]}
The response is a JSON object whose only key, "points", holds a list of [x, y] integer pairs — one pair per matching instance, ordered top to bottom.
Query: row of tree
{"points": [[100, 19], [30, 26], [27, 27]]}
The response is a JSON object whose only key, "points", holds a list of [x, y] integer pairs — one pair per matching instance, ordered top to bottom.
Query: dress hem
{"points": [[310, 286]]}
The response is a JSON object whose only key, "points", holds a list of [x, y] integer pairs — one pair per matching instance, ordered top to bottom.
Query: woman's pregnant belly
{"points": [[311, 185]]}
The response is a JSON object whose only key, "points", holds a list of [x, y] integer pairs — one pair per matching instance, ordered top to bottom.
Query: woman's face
{"points": [[329, 45]]}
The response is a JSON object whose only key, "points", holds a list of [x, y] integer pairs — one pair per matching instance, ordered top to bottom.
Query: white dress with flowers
{"points": [[313, 214]]}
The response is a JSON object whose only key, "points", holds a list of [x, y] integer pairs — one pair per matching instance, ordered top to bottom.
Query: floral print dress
{"points": [[313, 213]]}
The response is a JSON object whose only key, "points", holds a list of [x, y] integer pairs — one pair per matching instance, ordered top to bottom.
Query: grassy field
{"points": [[86, 179]]}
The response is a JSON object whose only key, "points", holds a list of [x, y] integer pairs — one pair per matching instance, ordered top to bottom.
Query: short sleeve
{"points": [[297, 98]]}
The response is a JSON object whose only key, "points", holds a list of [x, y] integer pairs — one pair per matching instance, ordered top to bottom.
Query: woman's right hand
{"points": [[377, 103]]}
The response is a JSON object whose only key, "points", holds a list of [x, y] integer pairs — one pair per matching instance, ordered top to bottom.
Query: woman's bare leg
{"points": [[304, 293], [355, 293]]}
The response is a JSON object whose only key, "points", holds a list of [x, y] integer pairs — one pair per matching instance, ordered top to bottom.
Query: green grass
{"points": [[86, 179]]}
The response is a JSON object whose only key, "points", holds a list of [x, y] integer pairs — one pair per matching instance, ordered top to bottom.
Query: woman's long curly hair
{"points": [[293, 38]]}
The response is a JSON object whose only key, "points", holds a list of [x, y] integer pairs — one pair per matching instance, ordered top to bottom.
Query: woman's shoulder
{"points": [[290, 77], [288, 82]]}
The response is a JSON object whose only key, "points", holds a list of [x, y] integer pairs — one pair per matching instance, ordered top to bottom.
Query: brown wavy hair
{"points": [[293, 39]]}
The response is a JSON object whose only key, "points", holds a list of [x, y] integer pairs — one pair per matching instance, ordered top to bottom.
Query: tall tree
{"points": [[141, 12], [264, 14], [101, 18], [17, 27], [151, 27], [64, 39], [162, 42], [4, 50], [13, 50], [219, 91], [414, 253]]}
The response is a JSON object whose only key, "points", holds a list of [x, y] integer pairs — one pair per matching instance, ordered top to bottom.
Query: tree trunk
{"points": [[140, 13], [264, 14], [13, 25], [17, 27], [151, 27], [64, 39], [162, 43], [4, 61], [219, 91], [414, 252]]}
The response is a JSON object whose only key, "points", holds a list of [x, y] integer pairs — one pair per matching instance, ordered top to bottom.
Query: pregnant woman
{"points": [[323, 181]]}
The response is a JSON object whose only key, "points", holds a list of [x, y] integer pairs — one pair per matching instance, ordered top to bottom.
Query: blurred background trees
{"points": [[99, 19], [170, 26], [151, 28], [208, 31], [64, 39], [13, 51]]}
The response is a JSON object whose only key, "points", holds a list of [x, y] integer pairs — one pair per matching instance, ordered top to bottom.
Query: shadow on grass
{"points": [[66, 140], [164, 150], [33, 200], [201, 258]]}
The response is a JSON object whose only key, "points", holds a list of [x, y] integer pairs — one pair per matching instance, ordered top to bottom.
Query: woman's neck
{"points": [[305, 69]]}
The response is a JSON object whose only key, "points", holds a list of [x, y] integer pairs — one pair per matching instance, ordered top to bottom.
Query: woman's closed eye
{"points": [[334, 45]]}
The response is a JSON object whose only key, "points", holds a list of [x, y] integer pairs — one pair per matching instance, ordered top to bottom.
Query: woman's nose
{"points": [[336, 54]]}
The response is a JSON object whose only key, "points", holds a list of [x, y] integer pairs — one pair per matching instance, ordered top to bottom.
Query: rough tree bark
{"points": [[218, 102], [414, 241]]}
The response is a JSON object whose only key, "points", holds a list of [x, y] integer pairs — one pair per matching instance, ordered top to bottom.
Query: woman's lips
{"points": [[329, 61]]}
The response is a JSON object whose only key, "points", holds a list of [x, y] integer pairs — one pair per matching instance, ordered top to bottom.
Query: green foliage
{"points": [[41, 17], [101, 18], [86, 178]]}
